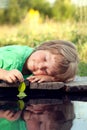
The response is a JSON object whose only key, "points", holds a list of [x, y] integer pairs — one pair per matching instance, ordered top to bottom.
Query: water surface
{"points": [[65, 112]]}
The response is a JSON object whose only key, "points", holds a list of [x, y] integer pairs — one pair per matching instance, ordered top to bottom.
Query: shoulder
{"points": [[15, 47], [16, 51]]}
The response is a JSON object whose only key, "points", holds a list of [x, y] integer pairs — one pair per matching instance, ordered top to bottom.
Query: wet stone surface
{"points": [[79, 84]]}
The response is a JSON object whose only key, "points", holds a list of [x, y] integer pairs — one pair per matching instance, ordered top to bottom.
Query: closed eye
{"points": [[45, 59]]}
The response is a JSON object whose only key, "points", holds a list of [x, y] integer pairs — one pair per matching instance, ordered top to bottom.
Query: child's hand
{"points": [[12, 76], [41, 78], [9, 115]]}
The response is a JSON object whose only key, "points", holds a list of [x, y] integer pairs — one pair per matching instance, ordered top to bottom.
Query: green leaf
{"points": [[22, 87], [21, 95], [21, 104]]}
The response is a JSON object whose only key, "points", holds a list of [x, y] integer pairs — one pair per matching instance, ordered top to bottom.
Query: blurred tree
{"points": [[43, 6], [17, 10], [63, 10], [11, 14]]}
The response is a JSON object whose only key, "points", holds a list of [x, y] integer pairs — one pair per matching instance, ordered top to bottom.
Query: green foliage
{"points": [[42, 6], [63, 10], [14, 13], [10, 14], [81, 14], [78, 37], [82, 69]]}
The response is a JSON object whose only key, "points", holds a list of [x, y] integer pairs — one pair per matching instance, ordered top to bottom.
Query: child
{"points": [[54, 60]]}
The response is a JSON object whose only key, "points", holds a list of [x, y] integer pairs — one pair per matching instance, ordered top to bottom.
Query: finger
{"points": [[18, 75], [31, 77], [13, 78], [9, 79], [35, 80], [41, 80], [6, 113], [11, 114], [15, 116]]}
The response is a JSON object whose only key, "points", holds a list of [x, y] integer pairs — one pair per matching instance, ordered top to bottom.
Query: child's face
{"points": [[42, 63]]}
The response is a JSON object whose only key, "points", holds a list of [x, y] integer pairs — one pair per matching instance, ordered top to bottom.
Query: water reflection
{"points": [[80, 110], [43, 114], [49, 116]]}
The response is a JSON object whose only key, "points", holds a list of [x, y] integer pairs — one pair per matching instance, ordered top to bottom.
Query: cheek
{"points": [[53, 70], [50, 72], [44, 117], [33, 125]]}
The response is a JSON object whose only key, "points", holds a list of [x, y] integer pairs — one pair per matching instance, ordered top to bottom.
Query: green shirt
{"points": [[14, 56], [12, 125]]}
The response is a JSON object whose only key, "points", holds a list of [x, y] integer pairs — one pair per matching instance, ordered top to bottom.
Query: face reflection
{"points": [[42, 63], [49, 116], [38, 117]]}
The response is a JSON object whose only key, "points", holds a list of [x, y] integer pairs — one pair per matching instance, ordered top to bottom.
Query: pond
{"points": [[47, 112]]}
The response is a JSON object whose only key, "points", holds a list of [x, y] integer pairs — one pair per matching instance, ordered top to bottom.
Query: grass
{"points": [[33, 34], [82, 69]]}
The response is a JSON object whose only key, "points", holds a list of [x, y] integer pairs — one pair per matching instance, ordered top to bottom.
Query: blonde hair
{"points": [[69, 61]]}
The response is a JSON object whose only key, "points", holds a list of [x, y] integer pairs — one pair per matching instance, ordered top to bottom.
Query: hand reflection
{"points": [[10, 115]]}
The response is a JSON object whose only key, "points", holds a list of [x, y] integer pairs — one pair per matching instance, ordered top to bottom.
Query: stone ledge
{"points": [[79, 84], [47, 85]]}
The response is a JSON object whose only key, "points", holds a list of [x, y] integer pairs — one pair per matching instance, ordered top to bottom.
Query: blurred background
{"points": [[30, 22]]}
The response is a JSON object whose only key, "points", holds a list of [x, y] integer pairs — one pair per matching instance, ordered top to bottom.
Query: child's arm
{"points": [[11, 75], [41, 78]]}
